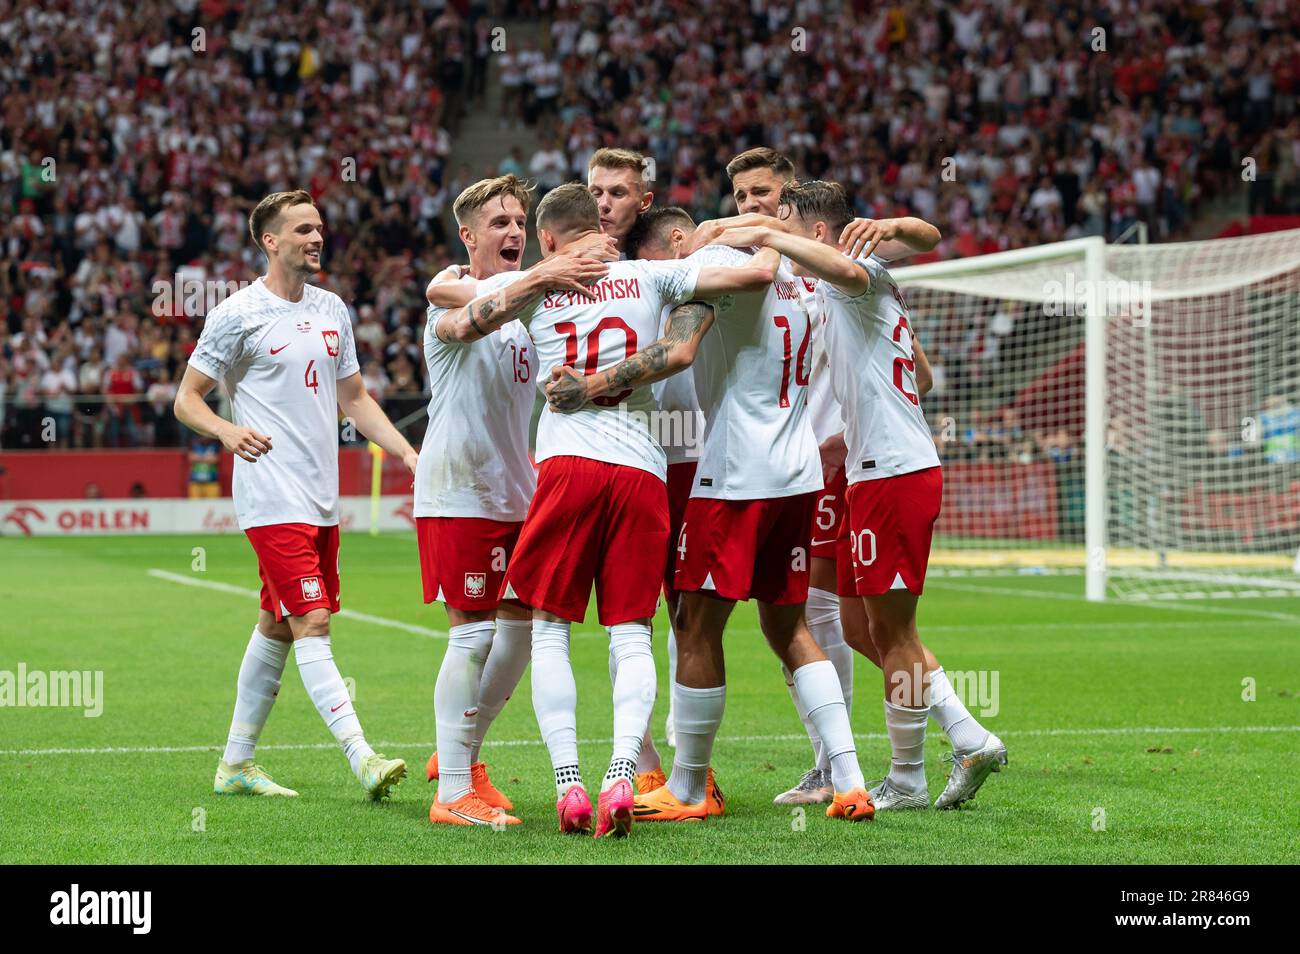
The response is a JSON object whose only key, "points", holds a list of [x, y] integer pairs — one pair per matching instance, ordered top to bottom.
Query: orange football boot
{"points": [[478, 779], [647, 782], [485, 790], [713, 797], [662, 805], [852, 806], [469, 809]]}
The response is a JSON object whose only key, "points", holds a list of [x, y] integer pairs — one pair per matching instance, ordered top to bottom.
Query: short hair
{"points": [[761, 157], [608, 158], [479, 194], [819, 201], [567, 209], [266, 214], [652, 227]]}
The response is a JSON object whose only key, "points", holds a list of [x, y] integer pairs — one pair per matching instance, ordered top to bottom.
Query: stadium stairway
{"points": [[481, 143]]}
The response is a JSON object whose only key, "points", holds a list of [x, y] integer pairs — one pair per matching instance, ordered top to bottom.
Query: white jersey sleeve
{"points": [[280, 362], [873, 374], [751, 378], [823, 408], [474, 457]]}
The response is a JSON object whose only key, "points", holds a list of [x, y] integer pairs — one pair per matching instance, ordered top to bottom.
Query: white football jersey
{"points": [[567, 329], [280, 361], [873, 374], [751, 377], [823, 409], [683, 424], [474, 457]]}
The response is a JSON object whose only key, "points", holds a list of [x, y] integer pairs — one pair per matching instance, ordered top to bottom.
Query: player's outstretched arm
{"points": [[707, 232], [889, 238], [817, 258], [715, 281], [445, 290], [488, 312], [685, 328], [356, 403], [192, 411]]}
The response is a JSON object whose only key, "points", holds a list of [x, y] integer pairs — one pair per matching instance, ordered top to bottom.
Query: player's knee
{"points": [[315, 623], [474, 638], [860, 641]]}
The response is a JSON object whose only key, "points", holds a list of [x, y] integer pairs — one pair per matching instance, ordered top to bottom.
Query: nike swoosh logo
{"points": [[275, 351], [818, 543], [339, 706], [470, 818]]}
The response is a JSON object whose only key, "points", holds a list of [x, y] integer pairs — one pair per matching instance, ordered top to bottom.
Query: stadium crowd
{"points": [[135, 138]]}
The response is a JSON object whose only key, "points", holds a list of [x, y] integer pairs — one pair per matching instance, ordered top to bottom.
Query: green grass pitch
{"points": [[1129, 737]]}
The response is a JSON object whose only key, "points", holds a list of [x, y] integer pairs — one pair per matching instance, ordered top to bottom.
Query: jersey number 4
{"points": [[609, 323], [800, 373]]}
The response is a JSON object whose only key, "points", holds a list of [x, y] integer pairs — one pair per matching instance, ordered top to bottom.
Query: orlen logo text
{"points": [[79, 520]]}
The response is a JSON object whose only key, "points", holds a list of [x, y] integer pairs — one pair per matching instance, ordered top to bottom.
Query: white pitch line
{"points": [[254, 594], [1078, 597], [515, 743]]}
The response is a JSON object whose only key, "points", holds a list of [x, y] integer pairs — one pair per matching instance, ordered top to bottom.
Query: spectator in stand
{"points": [[161, 150], [122, 385], [1279, 430], [205, 459]]}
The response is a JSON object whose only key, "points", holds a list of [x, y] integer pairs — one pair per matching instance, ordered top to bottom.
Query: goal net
{"points": [[1127, 413]]}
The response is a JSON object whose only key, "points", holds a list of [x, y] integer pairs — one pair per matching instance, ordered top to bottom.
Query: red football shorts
{"points": [[681, 477], [827, 518], [592, 522], [891, 524], [746, 549], [463, 560], [299, 567], [846, 583]]}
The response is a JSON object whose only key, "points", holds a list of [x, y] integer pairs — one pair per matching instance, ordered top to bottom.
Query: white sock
{"points": [[823, 612], [511, 648], [672, 678], [325, 687], [819, 688], [256, 689], [634, 691], [555, 695], [455, 705], [947, 709], [699, 713], [907, 742], [819, 751], [647, 759]]}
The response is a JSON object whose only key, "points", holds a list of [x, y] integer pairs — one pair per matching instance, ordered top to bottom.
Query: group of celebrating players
{"points": [[813, 489]]}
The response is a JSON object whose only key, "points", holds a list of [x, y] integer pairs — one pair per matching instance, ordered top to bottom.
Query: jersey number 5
{"points": [[610, 322]]}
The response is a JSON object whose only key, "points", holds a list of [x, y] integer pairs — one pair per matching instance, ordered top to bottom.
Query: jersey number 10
{"points": [[610, 322]]}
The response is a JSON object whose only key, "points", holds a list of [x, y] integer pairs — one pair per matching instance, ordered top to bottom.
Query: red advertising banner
{"points": [[999, 499]]}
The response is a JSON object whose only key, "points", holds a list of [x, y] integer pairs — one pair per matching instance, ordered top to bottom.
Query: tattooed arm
{"points": [[488, 312], [686, 327]]}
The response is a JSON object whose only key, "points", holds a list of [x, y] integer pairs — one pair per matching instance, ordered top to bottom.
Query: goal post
{"points": [[1130, 414]]}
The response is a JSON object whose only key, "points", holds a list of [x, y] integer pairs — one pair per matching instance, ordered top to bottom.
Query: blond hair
{"points": [[485, 190]]}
